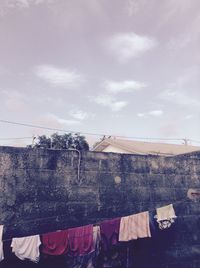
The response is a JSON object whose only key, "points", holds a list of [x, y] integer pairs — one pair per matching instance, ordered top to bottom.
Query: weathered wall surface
{"points": [[41, 191]]}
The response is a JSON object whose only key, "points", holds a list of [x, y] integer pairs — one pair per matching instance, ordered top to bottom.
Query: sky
{"points": [[117, 67]]}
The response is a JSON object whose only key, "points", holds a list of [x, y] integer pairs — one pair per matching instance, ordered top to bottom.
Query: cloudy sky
{"points": [[117, 67]]}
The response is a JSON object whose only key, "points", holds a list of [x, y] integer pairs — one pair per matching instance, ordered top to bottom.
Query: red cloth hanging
{"points": [[55, 243]]}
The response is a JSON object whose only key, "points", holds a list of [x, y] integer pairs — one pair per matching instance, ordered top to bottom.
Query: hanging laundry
{"points": [[165, 216], [153, 224], [134, 227], [109, 233], [96, 239], [80, 240], [1, 243], [55, 243], [27, 247], [117, 257], [89, 260], [86, 261]]}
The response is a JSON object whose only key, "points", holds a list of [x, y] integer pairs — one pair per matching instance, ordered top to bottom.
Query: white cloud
{"points": [[23, 3], [12, 4], [8, 5], [126, 46], [59, 76], [124, 86], [180, 98], [110, 102], [118, 105], [156, 113], [80, 115], [141, 115], [189, 116], [54, 121], [64, 121]]}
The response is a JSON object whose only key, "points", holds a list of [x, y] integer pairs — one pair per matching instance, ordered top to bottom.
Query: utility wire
{"points": [[91, 134], [17, 138], [194, 141]]}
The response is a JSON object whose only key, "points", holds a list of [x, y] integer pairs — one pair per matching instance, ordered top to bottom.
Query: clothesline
{"points": [[184, 200], [80, 241]]}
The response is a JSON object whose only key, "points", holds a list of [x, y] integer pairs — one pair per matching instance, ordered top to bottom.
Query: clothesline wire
{"points": [[94, 224]]}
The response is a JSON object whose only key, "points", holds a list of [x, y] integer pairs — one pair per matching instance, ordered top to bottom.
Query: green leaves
{"points": [[65, 141]]}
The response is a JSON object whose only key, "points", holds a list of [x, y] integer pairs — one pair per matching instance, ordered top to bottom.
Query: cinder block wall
{"points": [[41, 192]]}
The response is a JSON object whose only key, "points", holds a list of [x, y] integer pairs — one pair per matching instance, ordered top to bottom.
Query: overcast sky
{"points": [[117, 67]]}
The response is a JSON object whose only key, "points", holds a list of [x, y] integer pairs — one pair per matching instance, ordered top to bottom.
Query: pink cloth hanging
{"points": [[134, 227], [80, 240]]}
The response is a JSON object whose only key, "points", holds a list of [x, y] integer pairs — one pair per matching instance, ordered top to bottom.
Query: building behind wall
{"points": [[125, 146]]}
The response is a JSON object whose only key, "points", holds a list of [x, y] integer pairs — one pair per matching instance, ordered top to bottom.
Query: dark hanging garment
{"points": [[109, 233], [119, 256], [86, 261]]}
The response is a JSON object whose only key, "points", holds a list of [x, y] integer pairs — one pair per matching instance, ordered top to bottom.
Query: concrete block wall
{"points": [[40, 191]]}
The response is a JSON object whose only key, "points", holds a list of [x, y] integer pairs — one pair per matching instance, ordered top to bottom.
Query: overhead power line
{"points": [[47, 128], [89, 133], [16, 138], [194, 141]]}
